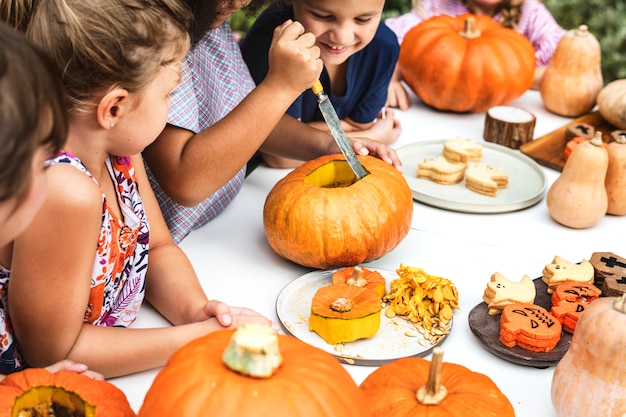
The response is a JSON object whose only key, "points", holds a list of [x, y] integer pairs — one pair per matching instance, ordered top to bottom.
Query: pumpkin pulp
{"points": [[333, 174], [344, 313], [51, 401]]}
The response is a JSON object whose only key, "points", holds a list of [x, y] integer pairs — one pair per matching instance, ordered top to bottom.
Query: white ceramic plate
{"points": [[526, 187], [293, 307]]}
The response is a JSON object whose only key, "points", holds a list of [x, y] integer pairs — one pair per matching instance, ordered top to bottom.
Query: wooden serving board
{"points": [[547, 150]]}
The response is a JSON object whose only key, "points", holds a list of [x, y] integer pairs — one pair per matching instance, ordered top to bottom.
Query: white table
{"points": [[237, 266]]}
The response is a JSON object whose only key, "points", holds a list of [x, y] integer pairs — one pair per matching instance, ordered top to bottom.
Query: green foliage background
{"points": [[606, 19]]}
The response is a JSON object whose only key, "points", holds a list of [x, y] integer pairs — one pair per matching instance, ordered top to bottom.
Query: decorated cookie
{"points": [[462, 149], [485, 179], [605, 264], [561, 270], [614, 285], [501, 291], [570, 300], [530, 327]]}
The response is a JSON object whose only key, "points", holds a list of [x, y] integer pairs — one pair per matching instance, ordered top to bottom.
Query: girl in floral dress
{"points": [[79, 273]]}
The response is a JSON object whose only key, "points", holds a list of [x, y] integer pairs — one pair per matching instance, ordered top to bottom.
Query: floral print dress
{"points": [[119, 272]]}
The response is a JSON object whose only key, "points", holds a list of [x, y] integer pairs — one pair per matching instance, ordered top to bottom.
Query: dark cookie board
{"points": [[487, 330]]}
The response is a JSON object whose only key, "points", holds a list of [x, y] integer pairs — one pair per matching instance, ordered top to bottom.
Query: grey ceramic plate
{"points": [[526, 187], [293, 307]]}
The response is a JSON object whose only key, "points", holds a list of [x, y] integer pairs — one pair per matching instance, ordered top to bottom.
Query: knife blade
{"points": [[332, 120]]}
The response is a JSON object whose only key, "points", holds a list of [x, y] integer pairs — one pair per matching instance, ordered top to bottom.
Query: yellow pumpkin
{"points": [[320, 216], [343, 313]]}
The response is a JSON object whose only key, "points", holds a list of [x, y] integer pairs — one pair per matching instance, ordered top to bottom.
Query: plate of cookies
{"points": [[465, 175], [344, 312], [532, 322]]}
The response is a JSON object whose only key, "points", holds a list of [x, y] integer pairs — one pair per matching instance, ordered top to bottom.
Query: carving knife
{"points": [[332, 120]]}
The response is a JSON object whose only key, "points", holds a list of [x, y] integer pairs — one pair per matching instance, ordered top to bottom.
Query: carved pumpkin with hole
{"points": [[466, 63], [321, 216], [253, 372], [38, 393]]}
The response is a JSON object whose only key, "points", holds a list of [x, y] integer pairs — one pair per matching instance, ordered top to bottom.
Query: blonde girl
{"points": [[79, 273]]}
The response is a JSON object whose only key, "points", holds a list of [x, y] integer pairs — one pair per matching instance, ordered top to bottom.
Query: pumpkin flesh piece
{"points": [[361, 321], [50, 401]]}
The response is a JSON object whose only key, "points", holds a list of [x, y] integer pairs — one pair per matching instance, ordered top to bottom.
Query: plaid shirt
{"points": [[536, 23], [215, 80]]}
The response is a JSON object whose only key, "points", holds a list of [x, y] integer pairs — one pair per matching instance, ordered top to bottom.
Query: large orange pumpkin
{"points": [[466, 63], [321, 216], [238, 374], [411, 387], [35, 391]]}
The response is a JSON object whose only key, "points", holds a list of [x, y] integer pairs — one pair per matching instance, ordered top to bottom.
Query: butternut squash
{"points": [[573, 78], [612, 103], [616, 176], [578, 198]]}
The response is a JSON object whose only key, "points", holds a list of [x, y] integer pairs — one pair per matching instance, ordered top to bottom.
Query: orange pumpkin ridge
{"points": [[451, 72], [320, 216], [309, 383], [102, 398]]}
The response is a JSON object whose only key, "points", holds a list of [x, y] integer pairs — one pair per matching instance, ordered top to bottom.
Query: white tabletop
{"points": [[237, 266]]}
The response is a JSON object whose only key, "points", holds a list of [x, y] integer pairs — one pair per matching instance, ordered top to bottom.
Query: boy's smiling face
{"points": [[342, 28]]}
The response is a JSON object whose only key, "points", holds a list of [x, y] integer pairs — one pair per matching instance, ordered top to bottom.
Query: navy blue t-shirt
{"points": [[367, 78]]}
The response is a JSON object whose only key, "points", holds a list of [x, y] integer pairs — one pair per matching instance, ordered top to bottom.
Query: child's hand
{"points": [[294, 60], [397, 96], [387, 128], [363, 146], [228, 316], [79, 368]]}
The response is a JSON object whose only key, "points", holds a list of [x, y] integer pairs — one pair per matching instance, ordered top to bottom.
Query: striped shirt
{"points": [[536, 23], [215, 79]]}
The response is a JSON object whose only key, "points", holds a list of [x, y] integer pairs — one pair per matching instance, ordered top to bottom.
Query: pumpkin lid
{"points": [[253, 351]]}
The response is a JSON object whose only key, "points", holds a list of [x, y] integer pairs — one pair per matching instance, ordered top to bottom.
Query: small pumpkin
{"points": [[466, 63], [573, 78], [612, 103], [616, 176], [578, 198], [320, 216], [361, 277], [343, 313], [253, 372], [589, 379], [410, 387], [38, 392]]}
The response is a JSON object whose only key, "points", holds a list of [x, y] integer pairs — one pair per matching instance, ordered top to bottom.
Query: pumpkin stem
{"points": [[469, 30], [583, 30], [597, 139], [357, 278], [620, 304], [253, 351], [433, 392]]}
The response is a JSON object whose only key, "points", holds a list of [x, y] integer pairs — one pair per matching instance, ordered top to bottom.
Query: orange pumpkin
{"points": [[466, 63], [321, 216], [237, 373], [411, 387], [35, 391]]}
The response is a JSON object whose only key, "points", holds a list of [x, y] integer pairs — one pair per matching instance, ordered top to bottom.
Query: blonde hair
{"points": [[103, 44]]}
